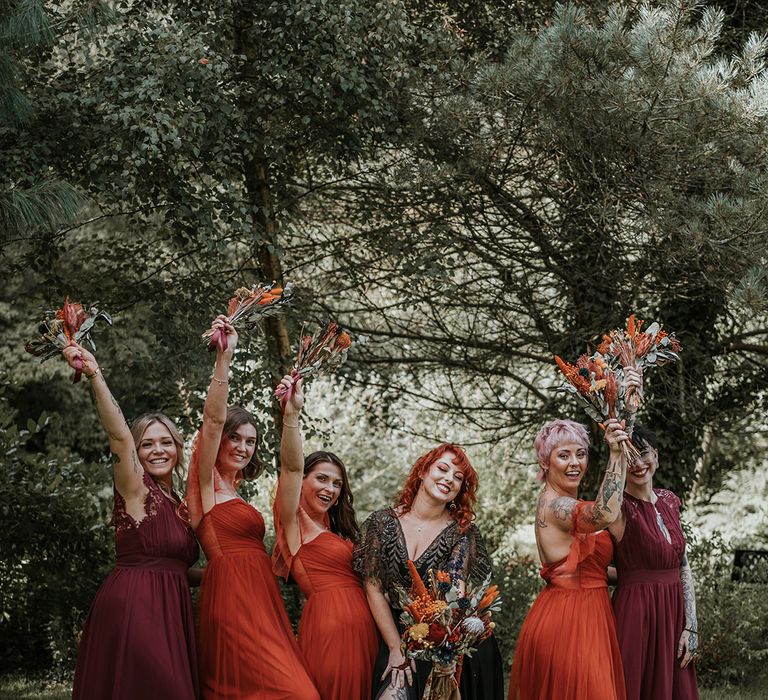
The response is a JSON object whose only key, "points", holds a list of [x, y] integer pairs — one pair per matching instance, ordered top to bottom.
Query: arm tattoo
{"points": [[115, 404], [116, 457], [136, 465], [611, 485], [540, 508], [562, 508], [689, 602]]}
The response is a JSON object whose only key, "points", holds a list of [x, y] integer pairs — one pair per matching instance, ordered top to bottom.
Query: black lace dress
{"points": [[382, 557]]}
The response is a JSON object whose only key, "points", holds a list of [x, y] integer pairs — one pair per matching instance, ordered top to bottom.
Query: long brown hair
{"points": [[237, 416], [140, 425], [464, 512], [341, 513]]}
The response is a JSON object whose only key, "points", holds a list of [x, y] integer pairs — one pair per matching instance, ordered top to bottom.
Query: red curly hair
{"points": [[464, 513]]}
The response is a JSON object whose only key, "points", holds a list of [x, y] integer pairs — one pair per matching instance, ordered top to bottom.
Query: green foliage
{"points": [[56, 545], [519, 583], [733, 617]]}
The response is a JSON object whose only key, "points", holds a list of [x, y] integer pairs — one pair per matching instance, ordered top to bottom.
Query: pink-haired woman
{"points": [[567, 647]]}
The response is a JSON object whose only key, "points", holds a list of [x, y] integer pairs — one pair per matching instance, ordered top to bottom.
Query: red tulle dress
{"points": [[648, 601], [337, 633], [139, 638], [246, 645], [567, 648]]}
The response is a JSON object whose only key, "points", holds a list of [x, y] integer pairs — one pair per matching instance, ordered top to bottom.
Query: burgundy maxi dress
{"points": [[648, 601], [139, 638]]}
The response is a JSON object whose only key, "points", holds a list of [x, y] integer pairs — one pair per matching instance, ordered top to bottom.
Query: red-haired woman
{"points": [[431, 525], [316, 529], [139, 638], [246, 644], [567, 647]]}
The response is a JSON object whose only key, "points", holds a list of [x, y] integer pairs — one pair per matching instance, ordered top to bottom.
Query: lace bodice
{"points": [[121, 520], [160, 533]]}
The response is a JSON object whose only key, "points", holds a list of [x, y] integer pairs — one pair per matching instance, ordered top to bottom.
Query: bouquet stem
{"points": [[441, 687]]}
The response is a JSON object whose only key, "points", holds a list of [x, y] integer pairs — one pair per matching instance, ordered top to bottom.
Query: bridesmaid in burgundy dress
{"points": [[654, 601], [139, 638]]}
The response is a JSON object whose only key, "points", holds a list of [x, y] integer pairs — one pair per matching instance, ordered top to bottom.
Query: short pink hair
{"points": [[554, 433]]}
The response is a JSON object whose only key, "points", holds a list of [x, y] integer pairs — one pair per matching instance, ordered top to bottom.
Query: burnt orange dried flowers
{"points": [[343, 340], [605, 345], [572, 375]]}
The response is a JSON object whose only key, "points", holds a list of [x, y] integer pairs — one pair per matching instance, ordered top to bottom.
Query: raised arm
{"points": [[215, 413], [291, 464], [128, 472], [689, 639]]}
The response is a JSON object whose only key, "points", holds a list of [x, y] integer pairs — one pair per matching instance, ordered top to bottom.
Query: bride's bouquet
{"points": [[248, 307], [73, 322], [319, 353], [597, 381], [443, 623]]}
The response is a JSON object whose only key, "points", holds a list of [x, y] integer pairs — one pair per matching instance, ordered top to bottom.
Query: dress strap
{"points": [[583, 542]]}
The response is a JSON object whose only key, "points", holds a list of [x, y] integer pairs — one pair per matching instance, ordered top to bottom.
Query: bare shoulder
{"points": [[555, 510]]}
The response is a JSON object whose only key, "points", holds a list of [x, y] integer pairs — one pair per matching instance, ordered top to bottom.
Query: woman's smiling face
{"points": [[237, 448], [157, 451], [567, 465], [443, 478], [322, 487]]}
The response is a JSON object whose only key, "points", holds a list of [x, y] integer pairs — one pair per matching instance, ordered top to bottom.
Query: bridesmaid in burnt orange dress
{"points": [[316, 529], [246, 645], [567, 648]]}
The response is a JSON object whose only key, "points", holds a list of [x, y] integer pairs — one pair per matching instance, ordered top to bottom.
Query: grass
{"points": [[15, 688], [729, 693]]}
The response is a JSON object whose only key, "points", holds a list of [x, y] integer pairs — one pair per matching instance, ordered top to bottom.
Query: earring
{"points": [[453, 505]]}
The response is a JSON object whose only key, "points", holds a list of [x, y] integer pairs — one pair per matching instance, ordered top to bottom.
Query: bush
{"points": [[56, 547], [519, 583], [733, 616]]}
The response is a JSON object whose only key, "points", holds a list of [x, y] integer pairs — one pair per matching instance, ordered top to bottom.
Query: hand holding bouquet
{"points": [[247, 308], [71, 324], [322, 352], [607, 383], [443, 623]]}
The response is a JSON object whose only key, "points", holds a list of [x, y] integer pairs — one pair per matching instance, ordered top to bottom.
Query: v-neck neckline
{"points": [[428, 547]]}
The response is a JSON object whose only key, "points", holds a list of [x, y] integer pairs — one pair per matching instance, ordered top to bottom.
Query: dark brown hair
{"points": [[237, 416], [341, 513]]}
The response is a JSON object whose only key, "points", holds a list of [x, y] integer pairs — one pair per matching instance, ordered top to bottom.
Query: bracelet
{"points": [[96, 371], [220, 382], [286, 424]]}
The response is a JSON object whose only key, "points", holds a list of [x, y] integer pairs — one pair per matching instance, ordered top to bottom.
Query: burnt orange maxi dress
{"points": [[338, 636], [246, 646], [567, 648]]}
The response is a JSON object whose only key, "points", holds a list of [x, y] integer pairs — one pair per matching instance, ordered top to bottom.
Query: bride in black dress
{"points": [[432, 526]]}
